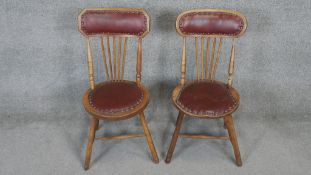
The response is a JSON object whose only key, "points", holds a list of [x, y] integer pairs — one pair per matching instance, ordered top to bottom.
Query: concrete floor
{"points": [[268, 146]]}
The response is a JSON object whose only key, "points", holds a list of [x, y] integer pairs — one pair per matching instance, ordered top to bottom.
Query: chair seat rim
{"points": [[178, 89], [117, 115]]}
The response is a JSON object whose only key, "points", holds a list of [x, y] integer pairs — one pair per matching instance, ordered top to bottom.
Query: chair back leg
{"points": [[174, 137], [149, 138], [233, 138], [88, 152]]}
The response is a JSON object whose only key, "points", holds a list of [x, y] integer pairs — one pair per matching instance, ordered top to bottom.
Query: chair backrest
{"points": [[117, 24], [209, 27]]}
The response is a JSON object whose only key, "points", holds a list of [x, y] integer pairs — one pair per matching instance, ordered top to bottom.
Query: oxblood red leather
{"points": [[113, 22], [211, 23], [116, 96], [206, 98]]}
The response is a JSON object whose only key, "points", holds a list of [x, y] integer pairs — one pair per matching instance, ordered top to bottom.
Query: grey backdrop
{"points": [[43, 76]]}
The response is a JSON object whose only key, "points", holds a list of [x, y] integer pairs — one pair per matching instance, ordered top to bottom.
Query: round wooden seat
{"points": [[206, 99], [116, 100]]}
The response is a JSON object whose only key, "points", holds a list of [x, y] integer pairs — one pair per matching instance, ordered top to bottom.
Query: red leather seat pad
{"points": [[116, 96], [206, 98]]}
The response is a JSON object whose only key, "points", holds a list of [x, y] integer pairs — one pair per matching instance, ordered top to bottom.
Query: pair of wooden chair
{"points": [[119, 99]]}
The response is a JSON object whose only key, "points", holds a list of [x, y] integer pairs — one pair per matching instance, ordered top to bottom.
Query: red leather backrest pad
{"points": [[114, 22], [211, 23]]}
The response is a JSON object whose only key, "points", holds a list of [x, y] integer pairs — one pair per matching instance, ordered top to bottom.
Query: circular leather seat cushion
{"points": [[116, 96], [206, 98]]}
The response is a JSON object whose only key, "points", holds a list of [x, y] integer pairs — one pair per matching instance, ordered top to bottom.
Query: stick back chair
{"points": [[205, 97], [115, 98]]}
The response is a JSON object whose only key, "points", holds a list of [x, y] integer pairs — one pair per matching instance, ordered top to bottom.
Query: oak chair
{"points": [[205, 97], [115, 98]]}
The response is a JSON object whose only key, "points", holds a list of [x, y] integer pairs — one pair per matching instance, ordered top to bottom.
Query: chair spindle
{"points": [[124, 56], [196, 56], [104, 57], [119, 57], [202, 57], [207, 57], [114, 58], [212, 58], [217, 59], [110, 60]]}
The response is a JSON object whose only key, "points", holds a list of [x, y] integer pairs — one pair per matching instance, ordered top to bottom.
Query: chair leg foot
{"points": [[149, 138], [174, 138], [233, 138], [88, 153]]}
